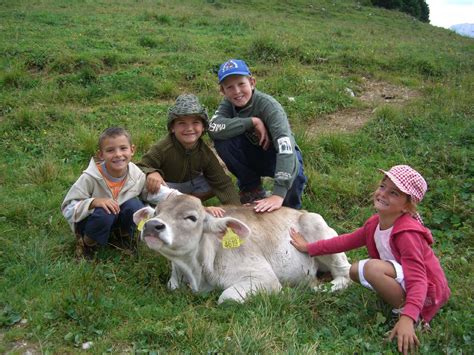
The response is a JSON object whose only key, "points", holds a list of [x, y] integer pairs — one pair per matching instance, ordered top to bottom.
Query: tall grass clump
{"points": [[267, 49], [17, 79], [86, 141], [44, 171]]}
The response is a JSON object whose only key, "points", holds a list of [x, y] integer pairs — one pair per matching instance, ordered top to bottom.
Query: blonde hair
{"points": [[411, 206]]}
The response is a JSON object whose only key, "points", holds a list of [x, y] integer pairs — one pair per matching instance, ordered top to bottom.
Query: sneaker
{"points": [[252, 195], [85, 250]]}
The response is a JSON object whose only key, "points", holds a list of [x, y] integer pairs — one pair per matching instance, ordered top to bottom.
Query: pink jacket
{"points": [[426, 285]]}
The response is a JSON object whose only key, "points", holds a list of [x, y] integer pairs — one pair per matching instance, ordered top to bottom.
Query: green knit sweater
{"points": [[229, 122], [177, 164]]}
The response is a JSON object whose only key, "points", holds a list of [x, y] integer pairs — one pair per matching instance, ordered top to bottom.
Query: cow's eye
{"points": [[191, 218]]}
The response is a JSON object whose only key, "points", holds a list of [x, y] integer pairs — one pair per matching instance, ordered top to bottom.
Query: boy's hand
{"points": [[261, 130], [154, 182], [108, 204], [268, 204], [215, 211], [298, 241], [404, 330]]}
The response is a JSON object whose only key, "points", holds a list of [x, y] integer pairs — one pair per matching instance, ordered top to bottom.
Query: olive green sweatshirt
{"points": [[177, 164]]}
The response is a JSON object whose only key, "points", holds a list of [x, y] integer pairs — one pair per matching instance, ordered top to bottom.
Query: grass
{"points": [[69, 69]]}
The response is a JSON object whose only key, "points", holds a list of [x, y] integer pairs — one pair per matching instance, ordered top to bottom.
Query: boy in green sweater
{"points": [[252, 135], [183, 161]]}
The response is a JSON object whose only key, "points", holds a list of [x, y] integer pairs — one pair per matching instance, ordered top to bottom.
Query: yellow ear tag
{"points": [[141, 224], [231, 240]]}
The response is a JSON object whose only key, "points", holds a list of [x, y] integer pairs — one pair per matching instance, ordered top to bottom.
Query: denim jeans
{"points": [[249, 163], [99, 224]]}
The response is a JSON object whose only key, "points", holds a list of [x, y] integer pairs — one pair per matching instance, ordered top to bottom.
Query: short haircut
{"points": [[113, 132]]}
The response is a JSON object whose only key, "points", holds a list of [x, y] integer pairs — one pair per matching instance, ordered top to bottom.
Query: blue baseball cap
{"points": [[233, 67]]}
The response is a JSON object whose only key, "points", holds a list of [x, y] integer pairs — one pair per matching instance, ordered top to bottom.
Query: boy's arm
{"points": [[276, 121], [224, 125], [151, 161], [220, 182], [76, 204], [68, 210]]}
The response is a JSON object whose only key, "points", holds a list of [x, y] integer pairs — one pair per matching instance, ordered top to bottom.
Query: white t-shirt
{"points": [[382, 243]]}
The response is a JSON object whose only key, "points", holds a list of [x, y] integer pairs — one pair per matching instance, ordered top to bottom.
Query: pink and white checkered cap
{"points": [[408, 180]]}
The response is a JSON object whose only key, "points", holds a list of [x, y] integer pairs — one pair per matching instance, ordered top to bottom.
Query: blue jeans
{"points": [[249, 163], [99, 224]]}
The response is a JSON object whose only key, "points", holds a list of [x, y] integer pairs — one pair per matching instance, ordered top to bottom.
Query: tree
{"points": [[388, 4], [411, 7], [417, 8], [425, 11]]}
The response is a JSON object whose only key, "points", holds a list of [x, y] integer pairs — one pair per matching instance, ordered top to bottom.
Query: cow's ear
{"points": [[143, 213], [220, 225], [239, 228]]}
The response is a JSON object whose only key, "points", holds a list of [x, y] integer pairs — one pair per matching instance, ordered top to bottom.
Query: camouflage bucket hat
{"points": [[187, 105]]}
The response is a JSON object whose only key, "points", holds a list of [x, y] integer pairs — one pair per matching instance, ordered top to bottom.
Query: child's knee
{"points": [[132, 205], [360, 269], [375, 269], [370, 270]]}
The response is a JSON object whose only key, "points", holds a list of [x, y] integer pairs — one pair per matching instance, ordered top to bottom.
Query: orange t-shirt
{"points": [[114, 186]]}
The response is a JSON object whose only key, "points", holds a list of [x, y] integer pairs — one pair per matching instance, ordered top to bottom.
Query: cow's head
{"points": [[177, 225]]}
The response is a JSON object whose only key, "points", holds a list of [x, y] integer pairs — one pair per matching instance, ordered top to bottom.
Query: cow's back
{"points": [[268, 227], [270, 240]]}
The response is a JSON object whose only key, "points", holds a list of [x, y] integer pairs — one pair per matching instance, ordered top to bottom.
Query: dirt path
{"points": [[374, 94]]}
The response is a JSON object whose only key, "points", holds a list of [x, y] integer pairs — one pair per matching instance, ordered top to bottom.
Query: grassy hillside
{"points": [[69, 69]]}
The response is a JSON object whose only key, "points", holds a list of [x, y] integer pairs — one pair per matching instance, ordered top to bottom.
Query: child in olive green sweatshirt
{"points": [[183, 161]]}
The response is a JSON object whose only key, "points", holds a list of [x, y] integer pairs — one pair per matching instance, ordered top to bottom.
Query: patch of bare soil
{"points": [[373, 94], [20, 346], [24, 348]]}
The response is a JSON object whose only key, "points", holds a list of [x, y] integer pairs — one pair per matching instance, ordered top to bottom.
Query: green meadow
{"points": [[364, 88]]}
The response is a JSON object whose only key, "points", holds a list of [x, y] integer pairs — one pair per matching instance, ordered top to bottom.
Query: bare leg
{"points": [[354, 272], [381, 275]]}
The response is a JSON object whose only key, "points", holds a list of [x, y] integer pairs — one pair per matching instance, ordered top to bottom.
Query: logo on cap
{"points": [[230, 64], [233, 67]]}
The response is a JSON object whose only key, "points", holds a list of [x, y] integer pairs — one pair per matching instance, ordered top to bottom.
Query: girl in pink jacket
{"points": [[402, 268]]}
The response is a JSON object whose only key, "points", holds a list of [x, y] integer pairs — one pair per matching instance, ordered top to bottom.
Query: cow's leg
{"points": [[314, 228], [339, 268], [176, 279], [239, 291]]}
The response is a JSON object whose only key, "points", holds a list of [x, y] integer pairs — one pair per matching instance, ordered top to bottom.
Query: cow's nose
{"points": [[154, 224]]}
